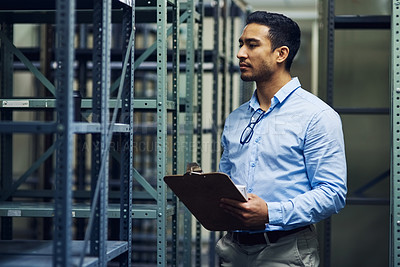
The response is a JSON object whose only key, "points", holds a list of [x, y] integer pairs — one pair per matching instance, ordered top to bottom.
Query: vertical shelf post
{"points": [[65, 23], [330, 52], [216, 71], [101, 85], [329, 99], [215, 106], [189, 108], [96, 118], [199, 122], [175, 128], [106, 130], [161, 131], [127, 138], [6, 139], [394, 255]]}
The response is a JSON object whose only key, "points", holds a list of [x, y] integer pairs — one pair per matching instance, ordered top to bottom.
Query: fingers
{"points": [[231, 205], [232, 211], [252, 213]]}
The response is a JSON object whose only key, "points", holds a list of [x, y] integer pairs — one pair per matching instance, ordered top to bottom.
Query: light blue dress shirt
{"points": [[295, 160]]}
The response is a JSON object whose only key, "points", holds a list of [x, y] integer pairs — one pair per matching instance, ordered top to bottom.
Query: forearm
{"points": [[308, 208]]}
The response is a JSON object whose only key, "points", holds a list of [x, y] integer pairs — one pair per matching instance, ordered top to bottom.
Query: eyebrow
{"points": [[249, 40]]}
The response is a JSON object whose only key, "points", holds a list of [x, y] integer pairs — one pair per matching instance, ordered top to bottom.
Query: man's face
{"points": [[256, 59]]}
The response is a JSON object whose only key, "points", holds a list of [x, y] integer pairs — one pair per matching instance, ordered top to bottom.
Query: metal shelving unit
{"points": [[353, 22], [80, 188], [63, 250]]}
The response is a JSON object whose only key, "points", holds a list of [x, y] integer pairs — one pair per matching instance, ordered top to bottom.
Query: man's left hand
{"points": [[253, 213]]}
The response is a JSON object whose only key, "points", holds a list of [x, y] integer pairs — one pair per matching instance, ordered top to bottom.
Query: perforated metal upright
{"points": [[65, 21], [216, 83], [100, 109], [199, 119], [189, 123], [175, 128], [161, 132], [6, 140], [126, 163], [394, 254]]}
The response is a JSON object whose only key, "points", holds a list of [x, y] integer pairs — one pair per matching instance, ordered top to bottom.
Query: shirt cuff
{"points": [[275, 213]]}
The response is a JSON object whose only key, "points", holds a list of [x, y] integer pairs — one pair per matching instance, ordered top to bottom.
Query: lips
{"points": [[243, 66]]}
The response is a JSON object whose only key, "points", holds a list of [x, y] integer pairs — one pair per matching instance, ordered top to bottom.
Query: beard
{"points": [[262, 75], [246, 78]]}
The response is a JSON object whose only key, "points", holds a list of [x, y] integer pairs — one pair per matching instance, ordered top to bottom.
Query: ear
{"points": [[282, 54]]}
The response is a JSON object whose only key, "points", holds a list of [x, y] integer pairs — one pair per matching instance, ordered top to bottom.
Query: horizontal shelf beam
{"points": [[29, 5], [44, 14], [362, 22], [86, 54], [23, 103], [370, 111], [28, 127], [52, 127], [84, 127], [79, 194], [367, 201], [44, 209], [40, 253]]}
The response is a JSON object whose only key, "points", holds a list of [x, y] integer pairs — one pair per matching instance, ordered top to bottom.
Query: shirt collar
{"points": [[279, 97]]}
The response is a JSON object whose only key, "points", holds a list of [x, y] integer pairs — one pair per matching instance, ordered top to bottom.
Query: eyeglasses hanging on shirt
{"points": [[247, 133]]}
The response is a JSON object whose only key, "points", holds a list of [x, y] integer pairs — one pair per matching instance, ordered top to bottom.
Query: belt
{"points": [[246, 238]]}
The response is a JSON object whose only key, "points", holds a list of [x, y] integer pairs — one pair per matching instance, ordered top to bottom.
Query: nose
{"points": [[241, 53]]}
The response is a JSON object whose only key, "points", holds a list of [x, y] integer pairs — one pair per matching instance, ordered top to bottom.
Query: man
{"points": [[287, 147]]}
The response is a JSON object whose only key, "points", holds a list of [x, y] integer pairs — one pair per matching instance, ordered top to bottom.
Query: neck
{"points": [[267, 89]]}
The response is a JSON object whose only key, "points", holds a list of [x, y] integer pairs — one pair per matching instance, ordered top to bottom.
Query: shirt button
{"points": [[253, 164], [250, 190]]}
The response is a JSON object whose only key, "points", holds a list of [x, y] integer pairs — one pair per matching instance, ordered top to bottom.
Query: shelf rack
{"points": [[352, 22], [76, 118], [63, 209], [63, 251]]}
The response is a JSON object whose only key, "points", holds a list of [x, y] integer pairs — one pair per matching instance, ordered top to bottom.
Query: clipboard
{"points": [[201, 194]]}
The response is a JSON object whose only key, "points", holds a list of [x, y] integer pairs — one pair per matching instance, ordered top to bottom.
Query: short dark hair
{"points": [[283, 31]]}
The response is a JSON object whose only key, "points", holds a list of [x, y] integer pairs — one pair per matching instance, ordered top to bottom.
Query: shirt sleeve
{"points": [[325, 162]]}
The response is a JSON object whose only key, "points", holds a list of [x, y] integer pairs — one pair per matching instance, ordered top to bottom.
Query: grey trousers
{"points": [[298, 249]]}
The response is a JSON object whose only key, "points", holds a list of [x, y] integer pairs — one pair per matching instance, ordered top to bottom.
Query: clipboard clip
{"points": [[193, 168]]}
